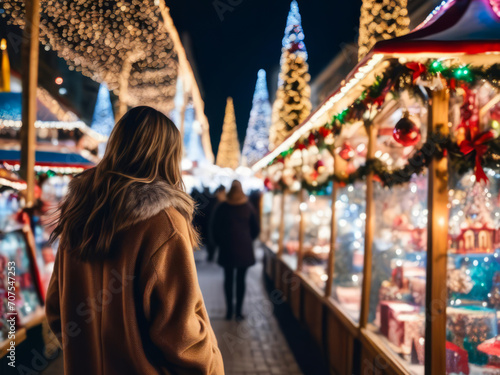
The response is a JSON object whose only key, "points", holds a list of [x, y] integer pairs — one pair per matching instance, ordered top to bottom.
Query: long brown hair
{"points": [[144, 147]]}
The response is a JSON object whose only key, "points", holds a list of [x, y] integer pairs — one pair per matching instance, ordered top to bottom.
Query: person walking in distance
{"points": [[234, 228], [124, 297]]}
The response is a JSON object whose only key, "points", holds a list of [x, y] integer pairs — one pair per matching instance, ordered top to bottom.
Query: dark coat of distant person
{"points": [[234, 228]]}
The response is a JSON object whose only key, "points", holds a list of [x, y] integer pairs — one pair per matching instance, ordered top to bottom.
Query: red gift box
{"points": [[390, 325], [492, 348], [457, 359]]}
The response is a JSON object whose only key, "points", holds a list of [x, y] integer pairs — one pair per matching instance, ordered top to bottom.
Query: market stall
{"points": [[388, 205]]}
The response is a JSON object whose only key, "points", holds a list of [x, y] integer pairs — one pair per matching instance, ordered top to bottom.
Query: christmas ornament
{"points": [[406, 132], [477, 143], [347, 152], [319, 166], [268, 183], [459, 281]]}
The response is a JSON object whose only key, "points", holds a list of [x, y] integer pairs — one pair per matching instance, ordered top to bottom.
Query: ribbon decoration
{"points": [[418, 69], [477, 144]]}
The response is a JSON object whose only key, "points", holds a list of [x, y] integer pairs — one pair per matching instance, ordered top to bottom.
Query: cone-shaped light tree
{"points": [[380, 20], [292, 104], [103, 119], [257, 138], [228, 155]]}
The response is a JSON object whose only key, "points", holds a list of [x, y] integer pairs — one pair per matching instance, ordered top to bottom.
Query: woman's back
{"points": [[235, 226], [124, 297], [138, 312]]}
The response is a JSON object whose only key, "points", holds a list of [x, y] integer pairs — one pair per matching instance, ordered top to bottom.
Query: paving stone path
{"points": [[255, 346]]}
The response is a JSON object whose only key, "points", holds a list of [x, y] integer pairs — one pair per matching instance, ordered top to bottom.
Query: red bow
{"points": [[418, 69], [477, 144]]}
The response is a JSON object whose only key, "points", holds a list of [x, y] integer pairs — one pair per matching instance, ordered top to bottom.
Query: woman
{"points": [[234, 227], [124, 296]]}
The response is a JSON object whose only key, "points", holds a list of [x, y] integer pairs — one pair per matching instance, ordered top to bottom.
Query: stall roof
{"points": [[455, 28], [11, 108], [11, 115], [48, 159]]}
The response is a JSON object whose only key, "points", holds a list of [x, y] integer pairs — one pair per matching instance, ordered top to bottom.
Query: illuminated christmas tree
{"points": [[381, 20], [292, 104], [103, 119], [192, 136], [257, 138], [228, 155]]}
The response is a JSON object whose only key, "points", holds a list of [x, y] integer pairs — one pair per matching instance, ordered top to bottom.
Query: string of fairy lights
{"points": [[381, 20], [122, 43]]}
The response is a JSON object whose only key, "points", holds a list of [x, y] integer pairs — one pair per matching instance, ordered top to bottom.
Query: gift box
{"points": [[391, 325], [470, 326], [491, 348], [457, 360]]}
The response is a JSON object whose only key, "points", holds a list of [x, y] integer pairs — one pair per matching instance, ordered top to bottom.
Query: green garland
{"points": [[395, 79]]}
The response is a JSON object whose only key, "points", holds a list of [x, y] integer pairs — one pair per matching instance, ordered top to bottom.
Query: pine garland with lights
{"points": [[381, 20], [395, 79], [256, 143], [228, 155]]}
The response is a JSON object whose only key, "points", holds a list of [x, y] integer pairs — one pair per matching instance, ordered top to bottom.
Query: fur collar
{"points": [[142, 200], [147, 200]]}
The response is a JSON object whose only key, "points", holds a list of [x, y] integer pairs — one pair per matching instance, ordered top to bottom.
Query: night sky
{"points": [[228, 53]]}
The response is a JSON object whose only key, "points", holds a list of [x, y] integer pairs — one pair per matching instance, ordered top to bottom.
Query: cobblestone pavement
{"points": [[255, 346]]}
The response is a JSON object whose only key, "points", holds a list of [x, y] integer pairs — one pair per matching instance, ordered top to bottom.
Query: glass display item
{"points": [[317, 216], [350, 216], [271, 220], [291, 229], [13, 248], [399, 248], [473, 267], [397, 299]]}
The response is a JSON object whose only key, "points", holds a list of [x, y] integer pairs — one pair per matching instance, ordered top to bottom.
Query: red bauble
{"points": [[406, 132], [311, 139], [347, 152], [319, 166], [268, 183]]}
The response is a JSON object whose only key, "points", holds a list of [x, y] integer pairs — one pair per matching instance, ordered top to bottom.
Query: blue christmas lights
{"points": [[257, 138]]}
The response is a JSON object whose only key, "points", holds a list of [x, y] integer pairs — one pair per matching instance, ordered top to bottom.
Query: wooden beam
{"points": [[29, 55], [282, 225], [369, 230], [437, 244], [300, 254], [330, 269]]}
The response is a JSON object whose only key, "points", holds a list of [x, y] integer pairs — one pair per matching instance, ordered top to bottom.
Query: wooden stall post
{"points": [[29, 86], [282, 225], [333, 227], [369, 229], [437, 243], [300, 254]]}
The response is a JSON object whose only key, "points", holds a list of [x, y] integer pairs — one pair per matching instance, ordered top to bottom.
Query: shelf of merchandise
{"points": [[410, 321]]}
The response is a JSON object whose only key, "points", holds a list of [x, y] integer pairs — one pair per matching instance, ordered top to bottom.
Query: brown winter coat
{"points": [[140, 311]]}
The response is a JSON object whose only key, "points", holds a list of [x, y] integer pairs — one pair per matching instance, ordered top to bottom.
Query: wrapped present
{"points": [[389, 322], [470, 326], [491, 348], [418, 350], [457, 361]]}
